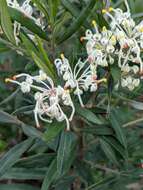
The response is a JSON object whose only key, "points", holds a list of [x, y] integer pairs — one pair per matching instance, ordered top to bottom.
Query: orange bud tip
{"points": [[82, 39], [14, 77]]}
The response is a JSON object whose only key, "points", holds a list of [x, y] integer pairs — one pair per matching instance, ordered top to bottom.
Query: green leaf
{"points": [[53, 9], [73, 10], [6, 21], [27, 22], [78, 22], [28, 43], [3, 48], [44, 55], [42, 65], [116, 73], [9, 98], [88, 115], [7, 118], [116, 125], [28, 130], [102, 130], [31, 131], [52, 131], [116, 145], [66, 152], [109, 152], [11, 157], [39, 160], [84, 171], [25, 174], [50, 175], [65, 183], [18, 187]]}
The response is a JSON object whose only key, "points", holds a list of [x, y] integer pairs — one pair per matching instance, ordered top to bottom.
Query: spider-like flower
{"points": [[128, 36], [121, 44], [100, 46], [82, 78], [49, 99]]}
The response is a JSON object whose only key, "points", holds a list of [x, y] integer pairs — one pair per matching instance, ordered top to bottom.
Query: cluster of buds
{"points": [[27, 10], [120, 45], [49, 99]]}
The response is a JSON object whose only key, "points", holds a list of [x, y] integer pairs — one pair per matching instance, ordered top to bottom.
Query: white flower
{"points": [[135, 69], [83, 75], [124, 83], [25, 87], [93, 87], [48, 97]]}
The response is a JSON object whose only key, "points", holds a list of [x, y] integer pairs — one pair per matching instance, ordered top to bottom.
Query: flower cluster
{"points": [[121, 45], [82, 78], [49, 98]]}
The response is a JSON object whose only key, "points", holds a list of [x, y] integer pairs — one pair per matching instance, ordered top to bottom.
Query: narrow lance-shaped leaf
{"points": [[53, 9], [73, 10], [6, 21], [27, 22], [78, 22], [44, 55], [42, 65], [88, 115], [116, 125], [28, 130], [52, 131], [116, 145], [66, 152], [109, 152], [11, 157], [39, 160], [25, 174], [50, 175], [17, 187]]}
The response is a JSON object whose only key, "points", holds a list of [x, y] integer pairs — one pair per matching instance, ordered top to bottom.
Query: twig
{"points": [[133, 122]]}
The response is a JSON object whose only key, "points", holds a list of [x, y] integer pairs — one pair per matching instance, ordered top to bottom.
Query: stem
{"points": [[133, 122]]}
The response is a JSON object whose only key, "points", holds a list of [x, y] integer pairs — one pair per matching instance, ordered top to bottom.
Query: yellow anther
{"points": [[110, 9], [104, 11], [94, 23], [104, 29], [141, 29], [113, 39], [62, 56], [7, 80], [104, 80], [67, 91]]}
